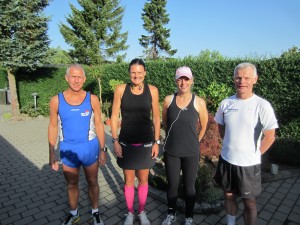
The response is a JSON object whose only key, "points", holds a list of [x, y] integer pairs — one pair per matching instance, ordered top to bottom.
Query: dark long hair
{"points": [[137, 61]]}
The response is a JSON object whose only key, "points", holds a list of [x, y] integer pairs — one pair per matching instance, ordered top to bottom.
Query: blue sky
{"points": [[235, 28]]}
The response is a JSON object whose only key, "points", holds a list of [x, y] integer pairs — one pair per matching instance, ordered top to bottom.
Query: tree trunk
{"points": [[100, 90], [13, 92]]}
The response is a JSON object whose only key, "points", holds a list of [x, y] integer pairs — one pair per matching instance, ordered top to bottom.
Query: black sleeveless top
{"points": [[136, 125], [182, 136]]}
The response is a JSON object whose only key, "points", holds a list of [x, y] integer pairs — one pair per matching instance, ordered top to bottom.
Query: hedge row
{"points": [[279, 80]]}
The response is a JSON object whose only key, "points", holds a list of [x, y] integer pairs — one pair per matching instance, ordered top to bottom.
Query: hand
{"points": [[118, 149], [155, 151], [102, 158], [53, 161]]}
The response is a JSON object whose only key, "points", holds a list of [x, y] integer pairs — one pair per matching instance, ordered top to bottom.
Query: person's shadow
{"points": [[33, 195]]}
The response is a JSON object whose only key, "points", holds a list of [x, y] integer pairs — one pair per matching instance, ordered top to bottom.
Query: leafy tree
{"points": [[155, 17], [95, 31], [24, 41], [293, 52], [58, 56], [207, 56]]}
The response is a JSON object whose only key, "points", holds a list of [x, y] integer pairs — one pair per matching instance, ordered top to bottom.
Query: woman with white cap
{"points": [[182, 112]]}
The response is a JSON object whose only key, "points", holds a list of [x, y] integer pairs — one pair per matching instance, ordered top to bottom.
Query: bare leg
{"points": [[91, 175], [129, 176], [143, 176], [72, 177], [230, 203], [231, 207], [250, 211]]}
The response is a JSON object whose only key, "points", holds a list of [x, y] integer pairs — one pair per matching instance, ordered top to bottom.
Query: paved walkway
{"points": [[31, 193]]}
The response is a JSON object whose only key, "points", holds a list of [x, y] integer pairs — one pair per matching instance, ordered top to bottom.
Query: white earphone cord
{"points": [[171, 126]]}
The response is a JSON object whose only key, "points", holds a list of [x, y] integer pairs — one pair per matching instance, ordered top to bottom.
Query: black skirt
{"points": [[136, 157]]}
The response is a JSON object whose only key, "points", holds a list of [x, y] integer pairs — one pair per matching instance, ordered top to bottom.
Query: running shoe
{"points": [[143, 218], [71, 219], [97, 219], [129, 219], [169, 220], [189, 221]]}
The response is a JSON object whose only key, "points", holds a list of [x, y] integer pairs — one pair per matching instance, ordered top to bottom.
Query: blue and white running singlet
{"points": [[76, 121]]}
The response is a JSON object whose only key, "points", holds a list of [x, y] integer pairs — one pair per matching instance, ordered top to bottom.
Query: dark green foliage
{"points": [[155, 17], [23, 28], [95, 31], [58, 56], [3, 78], [47, 82], [278, 83], [286, 151]]}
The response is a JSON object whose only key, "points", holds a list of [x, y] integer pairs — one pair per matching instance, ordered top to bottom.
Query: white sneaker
{"points": [[143, 218], [70, 219], [97, 219], [129, 219], [169, 220], [189, 221]]}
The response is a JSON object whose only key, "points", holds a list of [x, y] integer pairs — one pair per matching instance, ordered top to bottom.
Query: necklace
{"points": [[140, 86]]}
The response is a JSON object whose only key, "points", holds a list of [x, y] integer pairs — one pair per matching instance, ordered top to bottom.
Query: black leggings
{"points": [[189, 167]]}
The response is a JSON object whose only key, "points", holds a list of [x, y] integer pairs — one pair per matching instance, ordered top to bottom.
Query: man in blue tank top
{"points": [[76, 115]]}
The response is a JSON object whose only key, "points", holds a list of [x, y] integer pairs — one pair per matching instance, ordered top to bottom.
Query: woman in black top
{"points": [[181, 114], [136, 147]]}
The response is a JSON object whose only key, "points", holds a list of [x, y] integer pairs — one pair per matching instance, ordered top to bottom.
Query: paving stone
{"points": [[31, 193]]}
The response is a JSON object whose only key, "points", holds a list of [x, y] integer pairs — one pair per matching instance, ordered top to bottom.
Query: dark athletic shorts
{"points": [[136, 157], [245, 181]]}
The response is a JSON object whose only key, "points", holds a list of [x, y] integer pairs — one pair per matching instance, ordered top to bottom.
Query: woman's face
{"points": [[137, 74], [184, 84]]}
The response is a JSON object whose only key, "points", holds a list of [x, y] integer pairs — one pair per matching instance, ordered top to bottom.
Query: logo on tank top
{"points": [[85, 113]]}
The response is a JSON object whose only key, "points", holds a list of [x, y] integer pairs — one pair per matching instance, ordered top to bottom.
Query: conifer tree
{"points": [[155, 17], [94, 32], [24, 42]]}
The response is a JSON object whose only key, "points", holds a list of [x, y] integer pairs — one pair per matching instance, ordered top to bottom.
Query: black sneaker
{"points": [[71, 219], [97, 219]]}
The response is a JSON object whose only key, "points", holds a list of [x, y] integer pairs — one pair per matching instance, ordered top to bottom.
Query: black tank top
{"points": [[136, 125], [182, 136]]}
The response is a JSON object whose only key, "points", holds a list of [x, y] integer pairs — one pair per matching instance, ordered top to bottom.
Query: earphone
{"points": [[185, 109]]}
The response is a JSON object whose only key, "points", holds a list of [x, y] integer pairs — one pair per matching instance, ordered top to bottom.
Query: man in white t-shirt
{"points": [[247, 125]]}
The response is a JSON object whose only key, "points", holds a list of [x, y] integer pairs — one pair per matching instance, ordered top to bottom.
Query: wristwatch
{"points": [[113, 140], [157, 142], [104, 149]]}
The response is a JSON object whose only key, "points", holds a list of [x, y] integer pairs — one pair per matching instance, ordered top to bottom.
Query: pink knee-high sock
{"points": [[142, 193], [129, 197]]}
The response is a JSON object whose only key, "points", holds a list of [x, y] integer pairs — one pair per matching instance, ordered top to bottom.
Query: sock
{"points": [[142, 193], [129, 197], [95, 210], [74, 212], [230, 220]]}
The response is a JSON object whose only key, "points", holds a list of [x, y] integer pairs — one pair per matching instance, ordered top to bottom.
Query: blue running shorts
{"points": [[76, 154]]}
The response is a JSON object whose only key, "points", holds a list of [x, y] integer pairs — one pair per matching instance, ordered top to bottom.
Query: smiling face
{"points": [[137, 74], [75, 78], [244, 81], [184, 84]]}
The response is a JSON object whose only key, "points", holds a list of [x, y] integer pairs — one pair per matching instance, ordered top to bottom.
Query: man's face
{"points": [[75, 78], [244, 81]]}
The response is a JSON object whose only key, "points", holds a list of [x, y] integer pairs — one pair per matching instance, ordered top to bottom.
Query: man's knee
{"points": [[230, 195], [249, 203]]}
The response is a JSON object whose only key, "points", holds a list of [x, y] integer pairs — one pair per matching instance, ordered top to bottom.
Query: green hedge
{"points": [[3, 78], [279, 80]]}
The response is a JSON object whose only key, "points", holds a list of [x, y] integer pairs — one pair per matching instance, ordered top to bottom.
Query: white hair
{"points": [[75, 65], [243, 66]]}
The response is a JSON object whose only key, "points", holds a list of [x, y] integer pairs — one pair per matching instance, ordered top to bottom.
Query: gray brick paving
{"points": [[31, 193]]}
